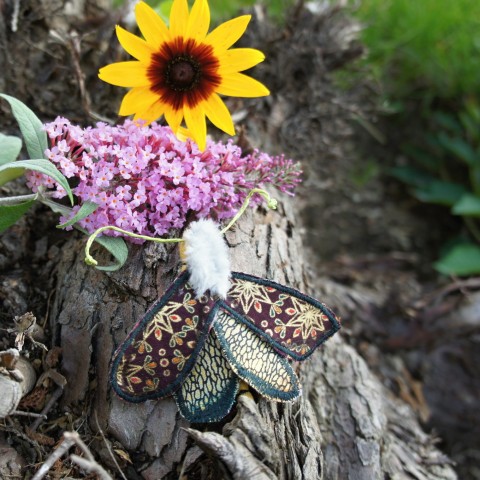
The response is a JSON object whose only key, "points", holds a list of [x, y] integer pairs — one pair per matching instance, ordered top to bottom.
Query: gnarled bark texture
{"points": [[346, 425]]}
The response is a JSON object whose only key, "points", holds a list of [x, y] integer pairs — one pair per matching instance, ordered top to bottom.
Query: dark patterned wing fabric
{"points": [[292, 322], [162, 348], [196, 349], [254, 360], [209, 391]]}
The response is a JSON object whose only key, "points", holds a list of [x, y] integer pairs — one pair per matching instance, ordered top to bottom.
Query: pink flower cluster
{"points": [[145, 180]]}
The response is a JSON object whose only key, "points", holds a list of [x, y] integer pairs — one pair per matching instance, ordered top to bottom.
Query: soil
{"points": [[370, 244]]}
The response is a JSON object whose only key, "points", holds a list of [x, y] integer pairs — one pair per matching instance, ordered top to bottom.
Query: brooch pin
{"points": [[213, 328]]}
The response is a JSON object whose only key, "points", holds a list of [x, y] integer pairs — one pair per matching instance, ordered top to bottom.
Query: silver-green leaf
{"points": [[31, 127], [9, 148], [42, 166], [10, 174], [85, 210], [9, 214], [115, 245]]}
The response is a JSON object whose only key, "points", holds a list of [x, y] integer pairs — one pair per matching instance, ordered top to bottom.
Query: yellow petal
{"points": [[178, 18], [199, 21], [151, 25], [226, 34], [134, 45], [239, 59], [125, 74], [240, 85], [136, 100], [154, 112], [218, 114], [173, 117], [195, 120], [182, 134]]}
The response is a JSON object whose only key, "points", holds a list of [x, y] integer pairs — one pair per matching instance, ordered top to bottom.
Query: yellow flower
{"points": [[182, 70]]}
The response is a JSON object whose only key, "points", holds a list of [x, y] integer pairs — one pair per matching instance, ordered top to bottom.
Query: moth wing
{"points": [[294, 323], [162, 348], [254, 360], [210, 389]]}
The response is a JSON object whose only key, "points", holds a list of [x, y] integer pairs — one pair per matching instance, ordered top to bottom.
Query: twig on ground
{"points": [[53, 399], [29, 414], [107, 444], [55, 455], [89, 464]]}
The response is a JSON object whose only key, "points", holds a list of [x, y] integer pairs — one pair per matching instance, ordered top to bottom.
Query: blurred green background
{"points": [[425, 55]]}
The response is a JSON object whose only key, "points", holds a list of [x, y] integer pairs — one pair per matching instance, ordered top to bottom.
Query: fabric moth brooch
{"points": [[213, 328]]}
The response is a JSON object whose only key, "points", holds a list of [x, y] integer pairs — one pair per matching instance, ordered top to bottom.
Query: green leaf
{"points": [[473, 111], [447, 121], [469, 123], [31, 127], [9, 148], [460, 148], [427, 160], [42, 166], [10, 174], [412, 176], [475, 179], [429, 189], [442, 193], [467, 205], [57, 207], [85, 210], [9, 214], [115, 245], [118, 248], [462, 259]]}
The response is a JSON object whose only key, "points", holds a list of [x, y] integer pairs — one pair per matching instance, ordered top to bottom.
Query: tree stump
{"points": [[346, 425]]}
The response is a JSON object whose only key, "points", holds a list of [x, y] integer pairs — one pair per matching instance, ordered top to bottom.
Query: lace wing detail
{"points": [[254, 360], [209, 391]]}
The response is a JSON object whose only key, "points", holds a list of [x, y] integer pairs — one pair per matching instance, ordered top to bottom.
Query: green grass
{"points": [[431, 45]]}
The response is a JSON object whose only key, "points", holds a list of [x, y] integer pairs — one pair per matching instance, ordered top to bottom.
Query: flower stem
{"points": [[271, 202], [89, 260]]}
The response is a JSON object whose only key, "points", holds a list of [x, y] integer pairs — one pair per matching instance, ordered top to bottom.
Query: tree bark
{"points": [[346, 424]]}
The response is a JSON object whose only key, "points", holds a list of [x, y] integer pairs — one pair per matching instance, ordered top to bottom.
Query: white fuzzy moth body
{"points": [[207, 259]]}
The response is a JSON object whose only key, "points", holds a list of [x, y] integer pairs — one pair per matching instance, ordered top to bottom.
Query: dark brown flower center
{"points": [[182, 73]]}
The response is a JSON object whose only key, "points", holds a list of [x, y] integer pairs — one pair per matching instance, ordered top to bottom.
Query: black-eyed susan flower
{"points": [[181, 71]]}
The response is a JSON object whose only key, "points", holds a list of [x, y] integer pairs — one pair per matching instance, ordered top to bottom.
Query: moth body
{"points": [[207, 258]]}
